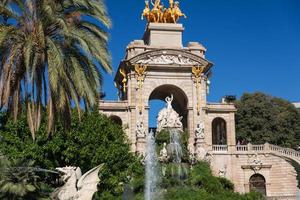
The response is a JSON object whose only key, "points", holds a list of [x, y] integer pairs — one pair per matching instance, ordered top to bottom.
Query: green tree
{"points": [[51, 53], [262, 118], [92, 141]]}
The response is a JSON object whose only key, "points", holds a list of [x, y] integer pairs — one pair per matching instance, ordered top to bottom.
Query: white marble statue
{"points": [[169, 101], [168, 117], [140, 130], [199, 132], [163, 154], [223, 172], [77, 187]]}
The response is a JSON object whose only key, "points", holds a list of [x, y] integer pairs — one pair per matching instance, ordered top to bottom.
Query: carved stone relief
{"points": [[169, 57], [167, 60], [140, 130], [199, 132], [255, 162], [223, 171]]}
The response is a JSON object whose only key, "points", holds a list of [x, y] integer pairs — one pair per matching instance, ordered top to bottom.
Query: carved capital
{"points": [[140, 74]]}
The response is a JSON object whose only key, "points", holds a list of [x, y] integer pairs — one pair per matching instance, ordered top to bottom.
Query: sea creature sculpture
{"points": [[77, 186]]}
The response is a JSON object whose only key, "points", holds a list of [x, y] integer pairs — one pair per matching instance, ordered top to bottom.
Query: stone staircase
{"points": [[285, 152]]}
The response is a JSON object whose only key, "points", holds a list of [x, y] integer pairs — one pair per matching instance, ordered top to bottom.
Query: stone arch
{"points": [[180, 102], [116, 119], [219, 131], [257, 182]]}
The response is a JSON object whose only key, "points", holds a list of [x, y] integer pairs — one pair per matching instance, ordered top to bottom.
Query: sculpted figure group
{"points": [[160, 14], [168, 117]]}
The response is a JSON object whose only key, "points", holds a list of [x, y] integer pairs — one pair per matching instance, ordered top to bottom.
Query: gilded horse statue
{"points": [[157, 10], [146, 12], [177, 13], [155, 14], [159, 14], [173, 14]]}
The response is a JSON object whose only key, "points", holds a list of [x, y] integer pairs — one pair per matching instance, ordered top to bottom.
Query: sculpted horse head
{"points": [[177, 12]]}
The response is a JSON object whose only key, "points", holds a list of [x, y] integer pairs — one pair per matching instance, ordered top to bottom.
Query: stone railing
{"points": [[250, 147], [258, 147], [220, 148], [241, 148], [265, 148], [290, 153]]}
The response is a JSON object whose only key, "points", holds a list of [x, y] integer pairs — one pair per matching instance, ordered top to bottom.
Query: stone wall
{"points": [[280, 175]]}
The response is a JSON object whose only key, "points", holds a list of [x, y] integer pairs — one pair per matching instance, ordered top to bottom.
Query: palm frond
{"points": [[52, 52]]}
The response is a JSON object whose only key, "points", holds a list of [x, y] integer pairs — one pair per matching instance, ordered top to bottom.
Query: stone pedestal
{"points": [[164, 35], [141, 146], [200, 151]]}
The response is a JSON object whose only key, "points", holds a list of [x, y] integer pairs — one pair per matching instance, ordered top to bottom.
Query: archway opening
{"points": [[157, 102], [116, 120], [219, 132], [257, 183]]}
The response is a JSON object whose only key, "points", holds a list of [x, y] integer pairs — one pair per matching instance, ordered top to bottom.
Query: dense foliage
{"points": [[51, 53], [261, 118], [92, 141], [20, 180], [185, 182], [200, 184], [203, 185]]}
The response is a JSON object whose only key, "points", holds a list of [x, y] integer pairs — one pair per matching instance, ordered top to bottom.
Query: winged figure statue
{"points": [[77, 186]]}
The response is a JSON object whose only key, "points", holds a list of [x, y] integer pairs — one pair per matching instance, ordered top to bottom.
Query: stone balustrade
{"points": [[220, 148], [241, 148], [258, 148], [265, 148], [285, 151]]}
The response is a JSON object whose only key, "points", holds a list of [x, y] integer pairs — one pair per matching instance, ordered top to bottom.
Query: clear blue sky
{"points": [[254, 44]]}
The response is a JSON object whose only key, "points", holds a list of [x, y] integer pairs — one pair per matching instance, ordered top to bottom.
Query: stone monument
{"points": [[159, 65]]}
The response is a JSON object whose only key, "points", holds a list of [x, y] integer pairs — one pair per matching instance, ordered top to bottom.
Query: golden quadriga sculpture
{"points": [[160, 14]]}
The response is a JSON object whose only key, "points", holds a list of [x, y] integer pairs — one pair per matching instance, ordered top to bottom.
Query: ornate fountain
{"points": [[169, 120]]}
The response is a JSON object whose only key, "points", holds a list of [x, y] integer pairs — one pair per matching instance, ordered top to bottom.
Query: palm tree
{"points": [[51, 53], [18, 180]]}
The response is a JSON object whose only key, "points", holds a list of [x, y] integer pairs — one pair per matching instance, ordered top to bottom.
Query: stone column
{"points": [[140, 132], [200, 141]]}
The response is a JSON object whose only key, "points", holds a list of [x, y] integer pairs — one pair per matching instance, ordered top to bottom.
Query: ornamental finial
{"points": [[160, 14]]}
